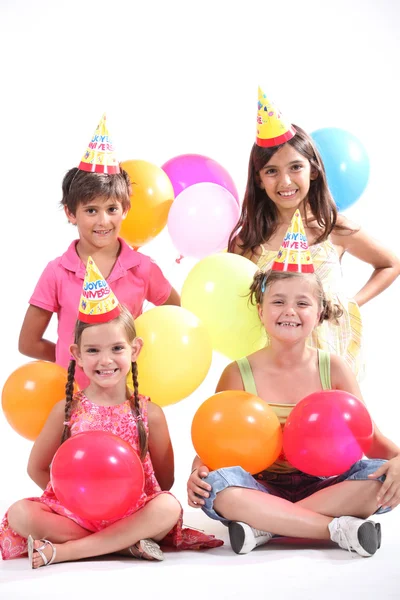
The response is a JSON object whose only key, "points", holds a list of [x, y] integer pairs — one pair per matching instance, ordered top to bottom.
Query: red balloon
{"points": [[327, 432], [97, 475]]}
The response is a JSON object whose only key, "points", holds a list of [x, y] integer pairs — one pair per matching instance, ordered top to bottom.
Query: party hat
{"points": [[272, 128], [100, 156], [294, 254], [98, 303]]}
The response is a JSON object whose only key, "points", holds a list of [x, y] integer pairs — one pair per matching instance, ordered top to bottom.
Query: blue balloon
{"points": [[346, 163]]}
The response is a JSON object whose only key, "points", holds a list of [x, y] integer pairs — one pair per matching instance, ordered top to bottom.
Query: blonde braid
{"points": [[69, 394], [135, 407]]}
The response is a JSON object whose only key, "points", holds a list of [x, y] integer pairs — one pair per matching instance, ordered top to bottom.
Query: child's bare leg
{"points": [[353, 498], [270, 513], [29, 517], [308, 518], [154, 521]]}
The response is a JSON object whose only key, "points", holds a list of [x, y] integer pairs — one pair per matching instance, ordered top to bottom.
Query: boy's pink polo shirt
{"points": [[134, 279]]}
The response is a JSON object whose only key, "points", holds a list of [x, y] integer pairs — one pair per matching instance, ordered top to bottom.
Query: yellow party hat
{"points": [[272, 128], [100, 156], [294, 254], [98, 303]]}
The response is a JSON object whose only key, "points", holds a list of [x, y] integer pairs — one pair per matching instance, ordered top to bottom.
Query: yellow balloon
{"points": [[151, 199], [216, 290], [176, 354]]}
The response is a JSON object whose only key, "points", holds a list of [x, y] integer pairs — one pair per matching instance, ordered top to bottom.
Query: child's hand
{"points": [[197, 487], [389, 494]]}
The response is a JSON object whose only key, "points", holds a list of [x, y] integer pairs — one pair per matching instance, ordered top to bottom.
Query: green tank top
{"points": [[324, 364], [282, 411]]}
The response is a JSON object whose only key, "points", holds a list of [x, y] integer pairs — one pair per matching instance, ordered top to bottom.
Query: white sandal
{"points": [[149, 547], [32, 549]]}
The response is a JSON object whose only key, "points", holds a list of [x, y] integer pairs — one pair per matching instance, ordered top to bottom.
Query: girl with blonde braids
{"points": [[105, 347]]}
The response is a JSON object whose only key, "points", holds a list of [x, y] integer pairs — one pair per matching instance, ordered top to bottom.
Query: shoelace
{"points": [[259, 532], [343, 537]]}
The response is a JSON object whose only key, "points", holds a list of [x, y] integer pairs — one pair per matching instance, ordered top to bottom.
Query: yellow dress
{"points": [[345, 338]]}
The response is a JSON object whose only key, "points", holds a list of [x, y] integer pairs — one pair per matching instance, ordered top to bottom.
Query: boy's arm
{"points": [[159, 287], [174, 298], [31, 341]]}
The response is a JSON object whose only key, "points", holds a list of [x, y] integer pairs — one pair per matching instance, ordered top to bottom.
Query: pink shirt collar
{"points": [[127, 259]]}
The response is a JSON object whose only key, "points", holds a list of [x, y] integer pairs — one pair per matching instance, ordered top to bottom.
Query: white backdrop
{"points": [[178, 77]]}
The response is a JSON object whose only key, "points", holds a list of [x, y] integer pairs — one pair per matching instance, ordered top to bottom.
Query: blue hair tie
{"points": [[264, 283]]}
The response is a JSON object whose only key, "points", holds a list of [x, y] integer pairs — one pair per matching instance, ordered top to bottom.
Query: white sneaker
{"points": [[357, 535], [244, 538]]}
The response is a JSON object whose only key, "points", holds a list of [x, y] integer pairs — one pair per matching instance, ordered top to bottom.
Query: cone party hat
{"points": [[272, 128], [100, 156], [294, 254], [98, 303]]}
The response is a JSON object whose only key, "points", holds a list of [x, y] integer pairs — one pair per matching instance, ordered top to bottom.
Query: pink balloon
{"points": [[188, 169], [201, 219], [327, 432], [97, 475]]}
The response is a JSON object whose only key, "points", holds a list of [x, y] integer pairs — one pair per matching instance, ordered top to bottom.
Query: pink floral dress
{"points": [[120, 421]]}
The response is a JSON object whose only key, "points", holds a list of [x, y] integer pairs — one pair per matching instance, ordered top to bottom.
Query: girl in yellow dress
{"points": [[286, 173]]}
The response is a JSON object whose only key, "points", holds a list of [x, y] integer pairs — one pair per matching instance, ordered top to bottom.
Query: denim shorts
{"points": [[290, 486]]}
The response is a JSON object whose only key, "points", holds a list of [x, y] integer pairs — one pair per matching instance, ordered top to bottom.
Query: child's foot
{"points": [[357, 535], [244, 538], [146, 549], [41, 553]]}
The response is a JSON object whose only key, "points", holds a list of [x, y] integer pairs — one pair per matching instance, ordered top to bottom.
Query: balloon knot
{"points": [[178, 260]]}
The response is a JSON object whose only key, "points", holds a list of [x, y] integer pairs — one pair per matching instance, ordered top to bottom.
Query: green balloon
{"points": [[217, 291]]}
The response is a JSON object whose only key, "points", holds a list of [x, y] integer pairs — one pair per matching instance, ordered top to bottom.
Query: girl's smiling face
{"points": [[286, 178], [290, 308], [105, 354]]}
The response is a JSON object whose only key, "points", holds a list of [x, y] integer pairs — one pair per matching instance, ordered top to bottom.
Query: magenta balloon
{"points": [[187, 169], [201, 219], [327, 432], [97, 475]]}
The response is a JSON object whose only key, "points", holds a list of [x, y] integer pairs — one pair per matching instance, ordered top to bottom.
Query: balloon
{"points": [[346, 164], [188, 169], [151, 199], [201, 219], [216, 290], [176, 354], [30, 393], [236, 428], [327, 432], [97, 475]]}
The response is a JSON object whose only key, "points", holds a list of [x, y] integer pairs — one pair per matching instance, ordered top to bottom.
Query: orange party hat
{"points": [[272, 128], [100, 156], [294, 254], [98, 303]]}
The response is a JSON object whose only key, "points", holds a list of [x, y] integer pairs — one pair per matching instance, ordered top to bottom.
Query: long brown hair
{"points": [[259, 217], [126, 319]]}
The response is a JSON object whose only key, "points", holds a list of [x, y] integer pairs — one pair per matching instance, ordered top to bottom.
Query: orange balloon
{"points": [[151, 199], [30, 393], [235, 428]]}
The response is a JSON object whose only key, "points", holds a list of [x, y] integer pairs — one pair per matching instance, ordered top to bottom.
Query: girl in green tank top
{"points": [[289, 502]]}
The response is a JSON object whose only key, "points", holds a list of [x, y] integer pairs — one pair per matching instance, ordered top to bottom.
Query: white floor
{"points": [[291, 569]]}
